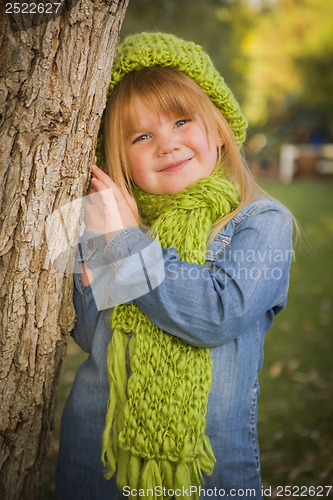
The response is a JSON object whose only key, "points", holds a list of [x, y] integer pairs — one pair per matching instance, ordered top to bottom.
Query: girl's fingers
{"points": [[102, 176], [103, 182], [108, 182], [96, 184], [93, 200], [126, 205], [94, 218]]}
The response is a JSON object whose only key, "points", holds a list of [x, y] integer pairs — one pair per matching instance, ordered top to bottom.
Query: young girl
{"points": [[192, 263]]}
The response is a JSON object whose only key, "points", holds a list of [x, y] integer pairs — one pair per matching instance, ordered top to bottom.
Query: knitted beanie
{"points": [[145, 50]]}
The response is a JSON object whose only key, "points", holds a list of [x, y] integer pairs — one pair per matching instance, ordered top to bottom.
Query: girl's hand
{"points": [[108, 208]]}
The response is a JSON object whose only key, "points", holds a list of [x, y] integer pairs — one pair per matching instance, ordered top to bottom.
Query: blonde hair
{"points": [[170, 92]]}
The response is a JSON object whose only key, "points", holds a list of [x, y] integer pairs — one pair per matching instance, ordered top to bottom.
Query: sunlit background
{"points": [[277, 57]]}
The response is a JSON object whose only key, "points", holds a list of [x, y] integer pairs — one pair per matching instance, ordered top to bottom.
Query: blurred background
{"points": [[277, 57]]}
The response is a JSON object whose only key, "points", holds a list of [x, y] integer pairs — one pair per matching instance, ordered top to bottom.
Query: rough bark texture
{"points": [[54, 79]]}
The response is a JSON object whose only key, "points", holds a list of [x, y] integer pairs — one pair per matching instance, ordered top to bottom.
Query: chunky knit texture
{"points": [[145, 50], [154, 434]]}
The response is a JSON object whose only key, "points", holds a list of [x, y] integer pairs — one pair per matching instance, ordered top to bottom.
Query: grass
{"points": [[295, 405]]}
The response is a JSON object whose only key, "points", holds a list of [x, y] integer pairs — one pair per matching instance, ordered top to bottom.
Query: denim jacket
{"points": [[227, 305]]}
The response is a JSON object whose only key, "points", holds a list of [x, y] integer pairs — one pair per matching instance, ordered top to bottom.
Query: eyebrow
{"points": [[137, 131]]}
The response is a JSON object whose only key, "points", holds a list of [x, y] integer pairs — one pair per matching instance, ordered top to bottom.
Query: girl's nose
{"points": [[166, 145]]}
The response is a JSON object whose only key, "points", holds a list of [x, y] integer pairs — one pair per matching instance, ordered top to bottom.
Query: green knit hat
{"points": [[145, 50]]}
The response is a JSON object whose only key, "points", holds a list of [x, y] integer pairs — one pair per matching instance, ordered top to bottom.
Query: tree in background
{"points": [[220, 26], [276, 55], [54, 77], [290, 79]]}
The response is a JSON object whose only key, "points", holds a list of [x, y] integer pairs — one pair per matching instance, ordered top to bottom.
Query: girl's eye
{"points": [[179, 123], [140, 138]]}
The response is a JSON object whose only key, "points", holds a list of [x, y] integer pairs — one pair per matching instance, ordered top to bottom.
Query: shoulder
{"points": [[260, 206], [262, 212], [267, 218]]}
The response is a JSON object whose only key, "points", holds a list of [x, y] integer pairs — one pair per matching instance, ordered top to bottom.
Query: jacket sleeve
{"points": [[90, 250], [117, 278], [249, 279], [86, 314]]}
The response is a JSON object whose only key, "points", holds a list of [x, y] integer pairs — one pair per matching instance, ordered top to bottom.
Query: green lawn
{"points": [[295, 405]]}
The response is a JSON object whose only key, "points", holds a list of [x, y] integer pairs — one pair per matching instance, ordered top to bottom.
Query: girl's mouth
{"points": [[173, 167]]}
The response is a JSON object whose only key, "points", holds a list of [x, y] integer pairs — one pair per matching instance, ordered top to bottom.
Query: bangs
{"points": [[166, 91]]}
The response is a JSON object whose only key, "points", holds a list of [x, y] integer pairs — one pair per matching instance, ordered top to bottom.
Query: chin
{"points": [[183, 184], [177, 187]]}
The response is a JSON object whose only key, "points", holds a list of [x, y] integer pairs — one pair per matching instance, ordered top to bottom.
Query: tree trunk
{"points": [[54, 79]]}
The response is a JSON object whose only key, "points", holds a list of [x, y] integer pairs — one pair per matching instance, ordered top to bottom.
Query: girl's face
{"points": [[167, 154]]}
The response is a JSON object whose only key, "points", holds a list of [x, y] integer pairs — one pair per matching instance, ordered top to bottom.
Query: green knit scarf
{"points": [[155, 423]]}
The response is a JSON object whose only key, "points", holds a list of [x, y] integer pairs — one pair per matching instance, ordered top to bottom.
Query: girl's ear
{"points": [[221, 149]]}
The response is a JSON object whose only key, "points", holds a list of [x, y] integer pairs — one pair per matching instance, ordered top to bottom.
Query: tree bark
{"points": [[54, 79]]}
